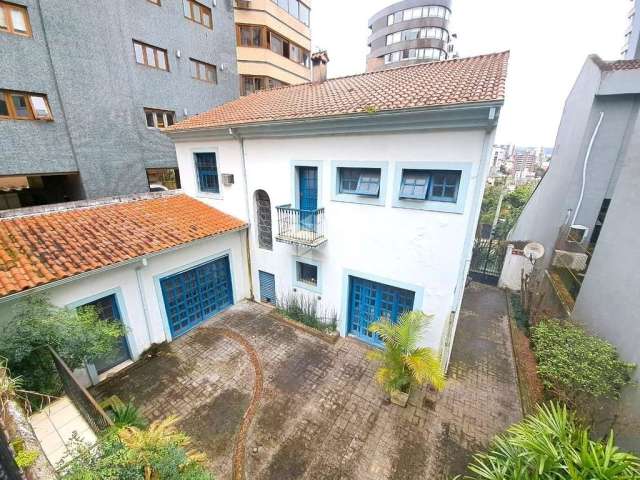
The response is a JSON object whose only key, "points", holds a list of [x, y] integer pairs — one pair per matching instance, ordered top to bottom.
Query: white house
{"points": [[361, 192], [129, 257]]}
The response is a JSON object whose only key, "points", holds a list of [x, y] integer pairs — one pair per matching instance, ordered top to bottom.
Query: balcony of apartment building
{"points": [[20, 191], [299, 226]]}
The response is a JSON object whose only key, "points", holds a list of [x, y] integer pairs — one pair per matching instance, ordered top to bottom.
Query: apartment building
{"points": [[409, 32], [274, 43], [631, 47], [86, 87], [584, 212]]}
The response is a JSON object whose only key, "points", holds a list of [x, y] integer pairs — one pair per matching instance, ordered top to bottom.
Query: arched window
{"points": [[263, 214]]}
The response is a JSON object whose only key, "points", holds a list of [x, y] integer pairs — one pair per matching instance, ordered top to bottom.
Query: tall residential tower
{"points": [[408, 32], [274, 43]]}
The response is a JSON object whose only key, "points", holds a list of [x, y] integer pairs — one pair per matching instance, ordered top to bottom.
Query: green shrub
{"points": [[303, 309], [75, 334], [577, 367], [127, 415], [551, 445], [158, 453]]}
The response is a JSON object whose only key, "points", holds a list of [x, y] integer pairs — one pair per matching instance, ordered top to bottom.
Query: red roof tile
{"points": [[621, 65], [450, 82], [42, 248]]}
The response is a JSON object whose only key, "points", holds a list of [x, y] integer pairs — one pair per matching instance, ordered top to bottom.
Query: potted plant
{"points": [[402, 363]]}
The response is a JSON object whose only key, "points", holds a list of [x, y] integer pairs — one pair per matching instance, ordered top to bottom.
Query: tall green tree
{"points": [[76, 334]]}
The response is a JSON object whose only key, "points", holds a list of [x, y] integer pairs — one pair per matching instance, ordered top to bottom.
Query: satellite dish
{"points": [[534, 251]]}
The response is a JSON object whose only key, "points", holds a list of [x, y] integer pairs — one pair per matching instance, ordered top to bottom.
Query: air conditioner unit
{"points": [[227, 179], [575, 261]]}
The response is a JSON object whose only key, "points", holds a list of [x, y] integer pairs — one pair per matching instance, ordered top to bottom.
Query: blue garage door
{"points": [[193, 296], [369, 301]]}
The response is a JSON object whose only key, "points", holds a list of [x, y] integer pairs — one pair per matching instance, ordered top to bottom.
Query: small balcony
{"points": [[300, 227]]}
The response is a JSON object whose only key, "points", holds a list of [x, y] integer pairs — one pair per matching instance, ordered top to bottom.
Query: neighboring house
{"points": [[409, 32], [274, 43], [86, 86], [592, 184], [363, 192], [135, 259]]}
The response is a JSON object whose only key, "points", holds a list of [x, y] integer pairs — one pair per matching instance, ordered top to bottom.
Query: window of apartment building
{"points": [[296, 8], [418, 12], [198, 13], [14, 19], [415, 33], [250, 35], [284, 47], [415, 53], [151, 56], [203, 71], [250, 84], [24, 106], [159, 118], [207, 172], [163, 179], [359, 181], [438, 186], [307, 274]]}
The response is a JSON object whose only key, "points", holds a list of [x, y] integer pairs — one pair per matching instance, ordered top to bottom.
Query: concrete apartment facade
{"points": [[409, 32], [274, 43], [631, 47], [96, 142], [597, 147]]}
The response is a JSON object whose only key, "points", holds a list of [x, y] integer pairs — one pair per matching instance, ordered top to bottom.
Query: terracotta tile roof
{"points": [[620, 65], [449, 82], [42, 248]]}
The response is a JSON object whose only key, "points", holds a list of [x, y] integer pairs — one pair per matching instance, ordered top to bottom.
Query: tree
{"points": [[76, 335], [403, 363]]}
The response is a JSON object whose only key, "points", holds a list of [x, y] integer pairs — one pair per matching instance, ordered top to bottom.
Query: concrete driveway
{"points": [[315, 411]]}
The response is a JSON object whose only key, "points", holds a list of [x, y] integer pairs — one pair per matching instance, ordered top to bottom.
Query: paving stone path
{"points": [[321, 415]]}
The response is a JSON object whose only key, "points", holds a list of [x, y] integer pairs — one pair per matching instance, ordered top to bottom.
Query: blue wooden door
{"points": [[308, 196], [267, 287], [193, 296], [369, 301], [107, 309]]}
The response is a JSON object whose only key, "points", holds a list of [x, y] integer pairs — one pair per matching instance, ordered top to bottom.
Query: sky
{"points": [[549, 41]]}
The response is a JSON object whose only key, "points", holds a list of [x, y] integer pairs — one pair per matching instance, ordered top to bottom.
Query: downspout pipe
{"points": [[584, 168], [245, 184], [143, 299]]}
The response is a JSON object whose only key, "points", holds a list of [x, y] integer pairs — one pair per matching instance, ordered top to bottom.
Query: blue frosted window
{"points": [[207, 171]]}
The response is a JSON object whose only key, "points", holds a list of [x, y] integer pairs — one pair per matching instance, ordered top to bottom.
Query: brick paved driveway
{"points": [[321, 415]]}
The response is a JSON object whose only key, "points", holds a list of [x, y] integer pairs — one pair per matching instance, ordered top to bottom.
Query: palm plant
{"points": [[402, 362], [126, 415], [551, 445], [146, 446]]}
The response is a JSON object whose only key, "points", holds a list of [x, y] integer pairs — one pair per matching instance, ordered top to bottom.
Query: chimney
{"points": [[319, 62]]}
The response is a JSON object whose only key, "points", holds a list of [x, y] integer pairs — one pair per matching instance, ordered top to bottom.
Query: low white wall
{"points": [[514, 263], [123, 282]]}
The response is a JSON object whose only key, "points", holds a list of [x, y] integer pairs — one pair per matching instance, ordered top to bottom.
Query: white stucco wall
{"points": [[420, 250], [123, 282]]}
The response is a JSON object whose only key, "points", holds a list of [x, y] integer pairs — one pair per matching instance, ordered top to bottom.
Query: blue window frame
{"points": [[207, 172], [359, 181], [438, 186], [307, 273]]}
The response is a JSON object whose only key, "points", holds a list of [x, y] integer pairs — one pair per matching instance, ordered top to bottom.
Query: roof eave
{"points": [[467, 115], [72, 278]]}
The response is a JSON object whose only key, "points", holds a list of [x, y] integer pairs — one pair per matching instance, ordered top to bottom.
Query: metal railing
{"points": [[300, 227], [91, 411]]}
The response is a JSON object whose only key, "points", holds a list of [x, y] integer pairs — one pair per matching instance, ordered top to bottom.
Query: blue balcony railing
{"points": [[300, 227]]}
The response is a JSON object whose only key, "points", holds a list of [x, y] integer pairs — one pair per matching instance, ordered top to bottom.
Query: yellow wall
{"points": [[261, 61]]}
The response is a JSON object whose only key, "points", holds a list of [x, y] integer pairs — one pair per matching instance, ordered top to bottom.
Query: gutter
{"points": [[177, 133], [245, 183], [130, 261]]}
